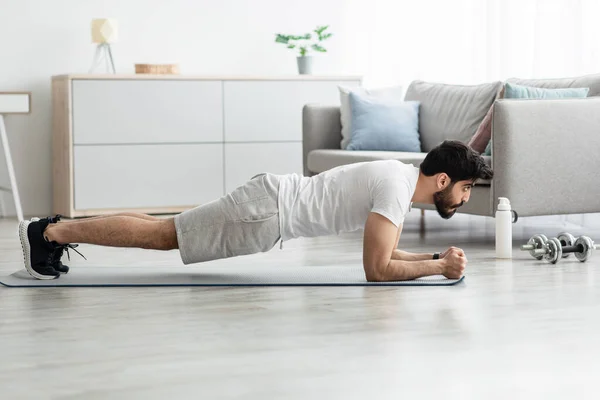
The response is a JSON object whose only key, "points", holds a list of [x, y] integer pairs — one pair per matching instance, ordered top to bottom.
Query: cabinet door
{"points": [[272, 110], [147, 111], [244, 160], [146, 176]]}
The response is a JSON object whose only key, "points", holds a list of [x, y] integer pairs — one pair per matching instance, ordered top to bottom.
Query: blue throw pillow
{"points": [[512, 91], [384, 124]]}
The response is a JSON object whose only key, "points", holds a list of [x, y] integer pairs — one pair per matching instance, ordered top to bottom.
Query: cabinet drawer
{"points": [[272, 110], [147, 111], [244, 160], [146, 176]]}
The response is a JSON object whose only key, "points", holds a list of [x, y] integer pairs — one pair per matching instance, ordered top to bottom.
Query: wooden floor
{"points": [[516, 329]]}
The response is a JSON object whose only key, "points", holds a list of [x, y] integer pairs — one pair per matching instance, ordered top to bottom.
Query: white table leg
{"points": [[11, 169]]}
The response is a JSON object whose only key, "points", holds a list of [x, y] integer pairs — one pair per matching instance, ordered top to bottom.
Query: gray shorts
{"points": [[245, 221]]}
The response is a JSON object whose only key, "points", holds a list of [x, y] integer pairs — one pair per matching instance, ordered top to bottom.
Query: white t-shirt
{"points": [[340, 199]]}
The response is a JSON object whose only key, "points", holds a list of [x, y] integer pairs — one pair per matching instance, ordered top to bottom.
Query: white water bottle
{"points": [[503, 229]]}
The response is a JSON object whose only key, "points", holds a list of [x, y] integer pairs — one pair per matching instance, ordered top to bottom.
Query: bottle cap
{"points": [[504, 204]]}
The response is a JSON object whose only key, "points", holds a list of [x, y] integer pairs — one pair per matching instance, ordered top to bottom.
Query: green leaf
{"points": [[321, 29], [326, 36], [303, 37], [282, 38], [291, 46], [316, 47], [303, 51]]}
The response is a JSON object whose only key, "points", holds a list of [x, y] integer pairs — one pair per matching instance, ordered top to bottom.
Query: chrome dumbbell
{"points": [[536, 242], [553, 249]]}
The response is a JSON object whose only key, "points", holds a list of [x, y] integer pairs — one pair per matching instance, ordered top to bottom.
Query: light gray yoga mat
{"points": [[214, 276]]}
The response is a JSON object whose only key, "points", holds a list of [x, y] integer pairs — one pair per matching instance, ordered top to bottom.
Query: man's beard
{"points": [[443, 202]]}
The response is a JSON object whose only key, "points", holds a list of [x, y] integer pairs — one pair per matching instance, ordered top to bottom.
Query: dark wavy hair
{"points": [[458, 161]]}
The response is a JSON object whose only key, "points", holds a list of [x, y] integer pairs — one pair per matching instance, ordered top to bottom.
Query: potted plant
{"points": [[305, 43]]}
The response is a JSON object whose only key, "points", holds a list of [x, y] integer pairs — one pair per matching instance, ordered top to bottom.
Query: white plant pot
{"points": [[305, 65]]}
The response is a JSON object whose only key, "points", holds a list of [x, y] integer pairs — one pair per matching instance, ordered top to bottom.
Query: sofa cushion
{"points": [[589, 81], [514, 91], [387, 93], [450, 111], [386, 125], [483, 134], [482, 137], [324, 159]]}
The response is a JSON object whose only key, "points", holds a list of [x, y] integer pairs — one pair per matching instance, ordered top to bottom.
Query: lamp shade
{"points": [[104, 30]]}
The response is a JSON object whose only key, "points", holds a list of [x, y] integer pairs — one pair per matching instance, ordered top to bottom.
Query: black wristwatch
{"points": [[436, 256]]}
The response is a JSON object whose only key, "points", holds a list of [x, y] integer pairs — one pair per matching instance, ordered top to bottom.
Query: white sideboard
{"points": [[163, 144]]}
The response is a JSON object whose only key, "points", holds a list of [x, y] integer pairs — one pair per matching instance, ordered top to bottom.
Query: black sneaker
{"points": [[37, 250], [58, 252]]}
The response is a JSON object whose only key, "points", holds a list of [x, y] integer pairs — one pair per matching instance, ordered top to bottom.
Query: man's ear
{"points": [[443, 181]]}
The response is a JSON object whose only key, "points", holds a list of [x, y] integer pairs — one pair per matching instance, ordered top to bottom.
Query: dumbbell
{"points": [[538, 241], [553, 250]]}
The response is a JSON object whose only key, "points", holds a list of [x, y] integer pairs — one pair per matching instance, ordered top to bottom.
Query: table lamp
{"points": [[104, 32]]}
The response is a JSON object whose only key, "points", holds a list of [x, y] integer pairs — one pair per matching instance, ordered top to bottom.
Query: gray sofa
{"points": [[545, 153]]}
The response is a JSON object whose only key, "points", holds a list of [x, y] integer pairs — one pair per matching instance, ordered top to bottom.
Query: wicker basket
{"points": [[168, 69]]}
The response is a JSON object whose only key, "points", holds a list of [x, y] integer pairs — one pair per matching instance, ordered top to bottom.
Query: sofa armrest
{"points": [[321, 129], [545, 155]]}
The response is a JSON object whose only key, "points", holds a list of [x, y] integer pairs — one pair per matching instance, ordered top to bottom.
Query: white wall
{"points": [[41, 38], [386, 41]]}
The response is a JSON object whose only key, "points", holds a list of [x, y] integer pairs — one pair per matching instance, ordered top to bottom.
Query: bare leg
{"points": [[124, 214], [117, 231]]}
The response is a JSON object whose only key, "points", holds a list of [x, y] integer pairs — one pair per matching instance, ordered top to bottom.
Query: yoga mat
{"points": [[214, 276]]}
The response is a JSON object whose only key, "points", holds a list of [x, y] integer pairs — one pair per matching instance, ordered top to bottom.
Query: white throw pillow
{"points": [[392, 93]]}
